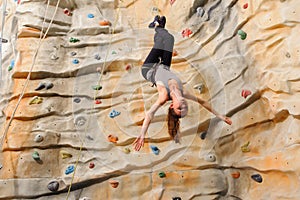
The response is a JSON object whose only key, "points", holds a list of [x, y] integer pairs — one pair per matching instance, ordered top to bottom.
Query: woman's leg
{"points": [[152, 58]]}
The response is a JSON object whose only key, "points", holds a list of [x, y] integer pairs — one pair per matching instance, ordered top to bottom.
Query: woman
{"points": [[156, 69]]}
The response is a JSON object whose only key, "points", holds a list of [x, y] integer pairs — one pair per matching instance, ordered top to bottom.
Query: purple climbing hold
{"points": [[97, 57], [257, 178], [53, 186]]}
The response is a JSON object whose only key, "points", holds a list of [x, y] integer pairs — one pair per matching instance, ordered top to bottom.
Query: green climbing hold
{"points": [[242, 34], [74, 40], [113, 52], [97, 87], [36, 100], [245, 148], [36, 156], [161, 174]]}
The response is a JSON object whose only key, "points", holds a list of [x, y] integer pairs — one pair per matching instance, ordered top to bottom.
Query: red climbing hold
{"points": [[19, 1], [172, 1], [245, 6], [67, 12], [186, 33], [174, 53], [128, 67], [246, 93], [98, 101], [92, 165], [114, 183]]}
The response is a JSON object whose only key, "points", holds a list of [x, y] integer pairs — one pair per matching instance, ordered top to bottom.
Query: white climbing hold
{"points": [[200, 12], [199, 87], [80, 121], [38, 138], [210, 157], [1, 166]]}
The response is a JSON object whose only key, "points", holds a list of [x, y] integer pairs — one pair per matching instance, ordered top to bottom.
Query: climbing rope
{"points": [[1, 34], [31, 68], [95, 96]]}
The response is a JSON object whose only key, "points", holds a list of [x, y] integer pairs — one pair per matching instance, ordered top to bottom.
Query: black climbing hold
{"points": [[4, 40], [73, 53], [40, 86], [49, 86], [77, 100], [203, 135], [257, 178], [53, 186], [176, 198]]}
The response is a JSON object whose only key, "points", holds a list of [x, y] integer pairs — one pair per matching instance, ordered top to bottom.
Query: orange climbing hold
{"points": [[172, 1], [245, 6], [104, 23], [186, 33], [175, 53], [246, 93], [113, 139], [235, 175], [114, 183]]}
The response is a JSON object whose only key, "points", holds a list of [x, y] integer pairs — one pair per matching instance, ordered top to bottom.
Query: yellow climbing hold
{"points": [[36, 100], [245, 148], [127, 150], [65, 154]]}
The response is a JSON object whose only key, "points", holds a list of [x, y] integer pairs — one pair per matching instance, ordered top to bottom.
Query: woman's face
{"points": [[179, 107]]}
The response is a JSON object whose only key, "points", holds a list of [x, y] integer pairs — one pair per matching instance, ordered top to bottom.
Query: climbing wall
{"points": [[73, 100]]}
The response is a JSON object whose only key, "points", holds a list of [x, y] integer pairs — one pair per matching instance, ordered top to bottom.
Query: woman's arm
{"points": [[207, 106]]}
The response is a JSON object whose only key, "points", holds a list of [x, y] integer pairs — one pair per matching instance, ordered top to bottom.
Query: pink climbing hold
{"points": [[19, 1], [172, 1], [245, 6], [67, 12], [186, 33], [246, 93]]}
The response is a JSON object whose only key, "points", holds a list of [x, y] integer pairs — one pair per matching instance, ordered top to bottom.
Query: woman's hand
{"points": [[139, 142]]}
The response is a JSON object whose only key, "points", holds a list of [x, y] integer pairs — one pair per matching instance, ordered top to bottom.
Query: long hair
{"points": [[173, 125]]}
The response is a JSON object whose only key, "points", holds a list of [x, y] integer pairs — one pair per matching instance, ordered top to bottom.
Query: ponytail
{"points": [[173, 125]]}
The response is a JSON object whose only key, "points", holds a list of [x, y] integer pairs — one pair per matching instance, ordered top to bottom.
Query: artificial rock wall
{"points": [[244, 53]]}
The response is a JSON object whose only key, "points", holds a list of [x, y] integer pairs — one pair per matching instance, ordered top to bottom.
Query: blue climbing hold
{"points": [[91, 15], [75, 61], [11, 66], [114, 113], [155, 149], [70, 169], [257, 178]]}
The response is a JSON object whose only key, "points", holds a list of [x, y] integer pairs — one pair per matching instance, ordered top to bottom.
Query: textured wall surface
{"points": [[70, 126]]}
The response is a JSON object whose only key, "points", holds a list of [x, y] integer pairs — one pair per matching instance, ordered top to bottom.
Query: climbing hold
{"points": [[172, 1], [245, 6], [155, 9], [67, 12], [200, 12], [90, 15], [104, 23], [186, 33], [243, 35], [4, 40], [74, 40], [113, 52], [73, 53], [174, 53], [288, 55], [53, 56], [97, 57], [75, 61], [11, 66], [128, 67], [49, 85], [41, 86], [97, 87], [199, 87], [245, 93], [36, 100], [77, 100], [98, 101], [114, 113], [80, 121], [203, 135], [89, 137], [38, 138], [113, 139], [245, 148], [155, 149], [127, 150], [65, 154], [36, 156], [210, 157], [91, 165], [1, 166], [69, 169], [161, 174], [235, 174], [257, 178], [114, 183], [53, 186], [85, 198], [176, 198]]}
